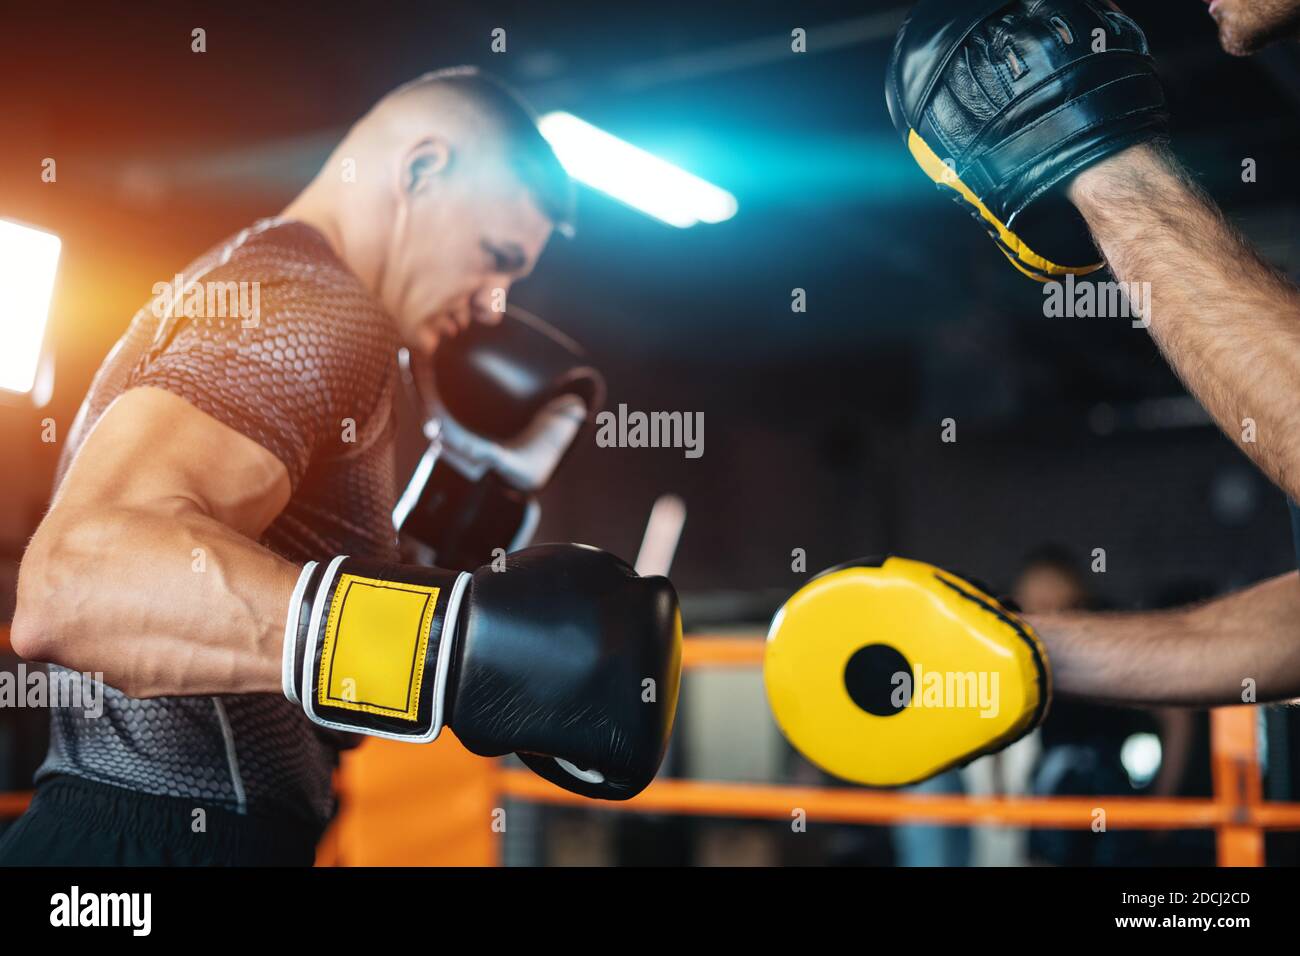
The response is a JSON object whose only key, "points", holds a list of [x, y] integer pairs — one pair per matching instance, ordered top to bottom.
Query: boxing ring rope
{"points": [[13, 804], [847, 805], [1237, 811]]}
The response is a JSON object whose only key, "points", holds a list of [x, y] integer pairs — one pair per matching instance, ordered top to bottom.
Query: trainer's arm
{"points": [[1226, 321], [147, 568], [1202, 655]]}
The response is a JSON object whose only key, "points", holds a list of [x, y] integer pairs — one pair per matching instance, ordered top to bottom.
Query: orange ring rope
{"points": [[13, 804], [846, 805], [1237, 812]]}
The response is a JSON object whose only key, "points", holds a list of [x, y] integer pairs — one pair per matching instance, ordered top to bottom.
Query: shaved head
{"points": [[489, 119], [439, 198]]}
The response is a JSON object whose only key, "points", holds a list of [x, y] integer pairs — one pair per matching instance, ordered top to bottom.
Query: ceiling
{"points": [[161, 151]]}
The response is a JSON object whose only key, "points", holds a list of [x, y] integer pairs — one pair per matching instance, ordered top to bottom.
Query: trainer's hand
{"points": [[1002, 103]]}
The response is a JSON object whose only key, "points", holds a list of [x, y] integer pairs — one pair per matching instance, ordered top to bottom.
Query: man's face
{"points": [[1248, 25], [467, 239], [1043, 589]]}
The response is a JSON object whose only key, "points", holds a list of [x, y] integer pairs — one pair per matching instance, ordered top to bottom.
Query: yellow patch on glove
{"points": [[374, 646]]}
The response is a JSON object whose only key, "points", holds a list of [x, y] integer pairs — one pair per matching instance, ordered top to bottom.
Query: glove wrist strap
{"points": [[373, 647], [291, 663]]}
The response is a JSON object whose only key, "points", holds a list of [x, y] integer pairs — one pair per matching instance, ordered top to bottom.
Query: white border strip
{"points": [[291, 633]]}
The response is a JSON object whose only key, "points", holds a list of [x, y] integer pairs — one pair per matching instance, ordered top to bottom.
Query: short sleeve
{"points": [[302, 368]]}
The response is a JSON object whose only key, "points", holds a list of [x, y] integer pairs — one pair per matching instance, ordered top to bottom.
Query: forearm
{"points": [[1227, 322], [161, 601], [1208, 655]]}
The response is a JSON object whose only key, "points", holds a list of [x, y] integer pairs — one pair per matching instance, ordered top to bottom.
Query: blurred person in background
{"points": [[1083, 742], [1184, 754], [923, 844]]}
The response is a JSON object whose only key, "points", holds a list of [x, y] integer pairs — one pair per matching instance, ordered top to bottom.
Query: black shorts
{"points": [[75, 822]]}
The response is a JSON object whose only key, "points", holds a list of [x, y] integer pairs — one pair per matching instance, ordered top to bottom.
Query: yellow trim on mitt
{"points": [[1013, 247]]}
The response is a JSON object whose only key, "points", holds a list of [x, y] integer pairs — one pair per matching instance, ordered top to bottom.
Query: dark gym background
{"points": [[822, 428]]}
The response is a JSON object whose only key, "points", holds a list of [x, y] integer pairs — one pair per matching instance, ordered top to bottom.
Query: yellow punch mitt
{"points": [[886, 673]]}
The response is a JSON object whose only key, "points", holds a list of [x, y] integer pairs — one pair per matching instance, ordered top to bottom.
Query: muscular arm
{"points": [[1227, 322], [147, 567], [1197, 656]]}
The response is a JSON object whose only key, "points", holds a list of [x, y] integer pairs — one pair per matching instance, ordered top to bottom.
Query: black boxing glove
{"points": [[1004, 102], [503, 405], [566, 657]]}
